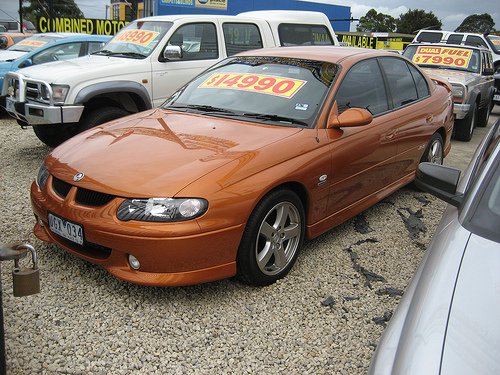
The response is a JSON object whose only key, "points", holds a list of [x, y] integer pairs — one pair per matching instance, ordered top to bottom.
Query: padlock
{"points": [[26, 281]]}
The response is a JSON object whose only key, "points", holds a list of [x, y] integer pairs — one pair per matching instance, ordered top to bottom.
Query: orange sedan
{"points": [[8, 39], [237, 167]]}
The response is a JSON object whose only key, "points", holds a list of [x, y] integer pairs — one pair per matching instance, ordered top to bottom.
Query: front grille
{"points": [[32, 91], [84, 197]]}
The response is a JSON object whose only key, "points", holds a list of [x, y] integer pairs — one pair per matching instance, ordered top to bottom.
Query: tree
{"points": [[50, 8], [414, 20], [374, 21], [477, 23]]}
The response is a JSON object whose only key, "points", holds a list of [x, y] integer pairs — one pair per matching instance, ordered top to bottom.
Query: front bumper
{"points": [[171, 254]]}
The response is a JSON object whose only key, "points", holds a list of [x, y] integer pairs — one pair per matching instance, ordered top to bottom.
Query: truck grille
{"points": [[37, 92]]}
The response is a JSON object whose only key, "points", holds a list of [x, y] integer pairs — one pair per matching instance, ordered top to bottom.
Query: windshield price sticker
{"points": [[142, 37], [34, 43], [443, 56], [272, 85]]}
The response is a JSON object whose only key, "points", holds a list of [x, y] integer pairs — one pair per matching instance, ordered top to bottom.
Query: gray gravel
{"points": [[326, 317]]}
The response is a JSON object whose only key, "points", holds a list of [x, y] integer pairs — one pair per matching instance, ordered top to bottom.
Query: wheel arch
{"points": [[128, 95]]}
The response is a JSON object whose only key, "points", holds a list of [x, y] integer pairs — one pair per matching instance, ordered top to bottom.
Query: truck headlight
{"points": [[59, 93], [458, 93], [162, 209]]}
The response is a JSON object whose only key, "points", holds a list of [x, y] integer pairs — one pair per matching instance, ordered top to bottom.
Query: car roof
{"points": [[334, 54]]}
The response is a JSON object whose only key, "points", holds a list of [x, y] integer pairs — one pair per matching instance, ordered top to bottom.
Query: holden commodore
{"points": [[240, 165]]}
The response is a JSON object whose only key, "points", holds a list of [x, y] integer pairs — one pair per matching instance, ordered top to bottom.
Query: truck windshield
{"points": [[137, 39], [444, 57], [271, 90]]}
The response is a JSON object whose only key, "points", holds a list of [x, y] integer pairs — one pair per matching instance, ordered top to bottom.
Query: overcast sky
{"points": [[450, 12]]}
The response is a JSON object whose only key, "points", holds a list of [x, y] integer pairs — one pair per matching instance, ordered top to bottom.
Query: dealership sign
{"points": [[80, 25]]}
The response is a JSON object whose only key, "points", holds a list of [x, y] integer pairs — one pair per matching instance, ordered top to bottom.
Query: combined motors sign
{"points": [[79, 25]]}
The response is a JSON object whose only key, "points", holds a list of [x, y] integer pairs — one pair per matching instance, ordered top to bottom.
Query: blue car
{"points": [[47, 47]]}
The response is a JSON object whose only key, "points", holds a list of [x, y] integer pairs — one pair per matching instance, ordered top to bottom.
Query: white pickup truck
{"points": [[143, 64]]}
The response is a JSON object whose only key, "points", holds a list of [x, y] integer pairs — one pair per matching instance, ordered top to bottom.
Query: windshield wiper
{"points": [[126, 54], [207, 109], [266, 117]]}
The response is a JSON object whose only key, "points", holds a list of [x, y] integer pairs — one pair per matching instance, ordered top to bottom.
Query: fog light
{"points": [[134, 262]]}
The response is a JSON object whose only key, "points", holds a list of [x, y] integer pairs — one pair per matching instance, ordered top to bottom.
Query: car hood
{"points": [[11, 55], [77, 70], [452, 75], [157, 153], [472, 344]]}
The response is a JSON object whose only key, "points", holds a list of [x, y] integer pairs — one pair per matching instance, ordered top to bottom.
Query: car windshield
{"points": [[136, 40], [494, 42], [32, 43], [444, 57], [277, 90]]}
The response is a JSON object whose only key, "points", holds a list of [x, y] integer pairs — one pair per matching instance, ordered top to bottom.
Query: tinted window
{"points": [[303, 35], [241, 37], [431, 37], [455, 39], [197, 40], [473, 40], [420, 82], [401, 84], [363, 87]]}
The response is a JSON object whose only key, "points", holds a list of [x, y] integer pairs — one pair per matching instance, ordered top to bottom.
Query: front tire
{"points": [[100, 116], [465, 127], [52, 135], [272, 238]]}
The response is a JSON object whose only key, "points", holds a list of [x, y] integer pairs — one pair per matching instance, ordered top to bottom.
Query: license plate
{"points": [[496, 97], [10, 105], [66, 229]]}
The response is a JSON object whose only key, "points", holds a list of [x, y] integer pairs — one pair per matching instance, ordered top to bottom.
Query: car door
{"points": [[199, 42], [414, 110], [363, 157]]}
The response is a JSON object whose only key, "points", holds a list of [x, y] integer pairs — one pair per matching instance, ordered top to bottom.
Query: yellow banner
{"points": [[142, 37], [35, 43], [457, 57], [272, 85]]}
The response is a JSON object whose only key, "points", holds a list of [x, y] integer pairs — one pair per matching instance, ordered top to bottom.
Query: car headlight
{"points": [[59, 93], [458, 93], [43, 175], [162, 209]]}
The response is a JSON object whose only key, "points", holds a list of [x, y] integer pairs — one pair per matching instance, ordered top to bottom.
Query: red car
{"points": [[241, 164]]}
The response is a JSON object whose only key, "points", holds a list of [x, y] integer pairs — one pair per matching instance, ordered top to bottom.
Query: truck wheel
{"points": [[483, 115], [100, 116], [465, 127], [51, 135], [272, 238]]}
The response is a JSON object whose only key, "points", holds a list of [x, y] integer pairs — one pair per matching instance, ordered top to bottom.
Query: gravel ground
{"points": [[325, 317]]}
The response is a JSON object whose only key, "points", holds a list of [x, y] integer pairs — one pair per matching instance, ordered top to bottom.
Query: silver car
{"points": [[448, 321]]}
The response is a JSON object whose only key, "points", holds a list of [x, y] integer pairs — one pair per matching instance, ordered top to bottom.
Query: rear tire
{"points": [[483, 114], [465, 127], [434, 153], [273, 235]]}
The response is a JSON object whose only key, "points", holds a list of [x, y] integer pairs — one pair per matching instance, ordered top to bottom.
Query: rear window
{"points": [[304, 35], [430, 37], [494, 42]]}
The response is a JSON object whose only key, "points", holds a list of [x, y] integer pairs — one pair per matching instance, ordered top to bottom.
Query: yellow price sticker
{"points": [[142, 37], [34, 43], [443, 56], [280, 86]]}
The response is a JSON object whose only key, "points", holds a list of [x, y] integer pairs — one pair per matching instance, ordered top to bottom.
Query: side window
{"points": [[302, 35], [241, 37], [430, 37], [455, 39], [197, 40], [473, 40], [94, 46], [59, 52], [420, 82], [401, 85], [363, 87]]}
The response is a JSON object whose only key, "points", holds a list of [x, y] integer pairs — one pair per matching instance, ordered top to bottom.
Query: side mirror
{"points": [[172, 53], [26, 63], [350, 118], [441, 181]]}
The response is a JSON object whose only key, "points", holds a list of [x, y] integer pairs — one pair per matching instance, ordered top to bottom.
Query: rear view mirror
{"points": [[172, 53], [349, 118]]}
